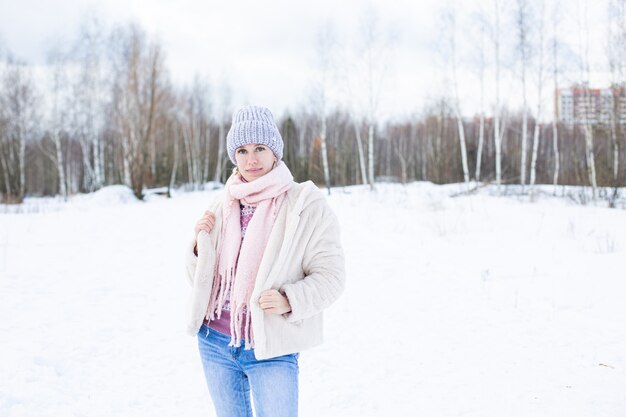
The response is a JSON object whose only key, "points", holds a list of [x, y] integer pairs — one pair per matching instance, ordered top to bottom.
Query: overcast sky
{"points": [[266, 50]]}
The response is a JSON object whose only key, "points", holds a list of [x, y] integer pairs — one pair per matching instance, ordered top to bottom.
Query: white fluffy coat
{"points": [[303, 259]]}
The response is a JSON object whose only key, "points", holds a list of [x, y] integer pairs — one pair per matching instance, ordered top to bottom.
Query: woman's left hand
{"points": [[272, 301]]}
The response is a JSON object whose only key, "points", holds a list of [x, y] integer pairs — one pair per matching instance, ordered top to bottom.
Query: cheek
{"points": [[270, 159]]}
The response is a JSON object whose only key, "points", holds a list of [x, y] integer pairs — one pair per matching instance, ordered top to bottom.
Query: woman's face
{"points": [[254, 161]]}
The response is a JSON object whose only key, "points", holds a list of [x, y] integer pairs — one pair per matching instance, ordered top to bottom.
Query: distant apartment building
{"points": [[579, 104]]}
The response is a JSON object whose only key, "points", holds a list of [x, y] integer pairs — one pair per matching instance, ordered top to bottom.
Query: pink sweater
{"points": [[222, 324]]}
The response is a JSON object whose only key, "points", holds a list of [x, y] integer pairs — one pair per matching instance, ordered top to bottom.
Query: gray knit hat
{"points": [[253, 124]]}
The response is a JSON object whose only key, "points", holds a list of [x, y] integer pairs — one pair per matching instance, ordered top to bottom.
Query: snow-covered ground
{"points": [[475, 305]]}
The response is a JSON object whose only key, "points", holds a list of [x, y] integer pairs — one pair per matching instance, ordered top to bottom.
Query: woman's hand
{"points": [[206, 222], [274, 302]]}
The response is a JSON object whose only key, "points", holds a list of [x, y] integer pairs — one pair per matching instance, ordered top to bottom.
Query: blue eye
{"points": [[260, 148], [241, 151]]}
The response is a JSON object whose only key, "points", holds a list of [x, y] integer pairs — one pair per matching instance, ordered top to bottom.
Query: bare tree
{"points": [[450, 31], [326, 42], [523, 47], [539, 48], [616, 52], [374, 64], [481, 64], [555, 73], [90, 86], [138, 90], [19, 104], [223, 113], [587, 116], [57, 120], [194, 128], [497, 130], [359, 144]]}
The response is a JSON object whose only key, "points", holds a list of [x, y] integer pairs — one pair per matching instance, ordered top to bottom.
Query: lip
{"points": [[253, 170]]}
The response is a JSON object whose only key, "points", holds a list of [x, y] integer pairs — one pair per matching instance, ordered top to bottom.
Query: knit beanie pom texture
{"points": [[252, 125]]}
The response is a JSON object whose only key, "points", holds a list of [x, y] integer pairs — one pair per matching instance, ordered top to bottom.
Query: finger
{"points": [[269, 292], [266, 301]]}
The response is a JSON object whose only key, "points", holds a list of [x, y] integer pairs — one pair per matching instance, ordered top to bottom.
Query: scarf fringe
{"points": [[220, 290], [219, 294], [241, 320]]}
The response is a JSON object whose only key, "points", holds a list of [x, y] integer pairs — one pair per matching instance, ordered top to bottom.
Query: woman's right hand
{"points": [[206, 222]]}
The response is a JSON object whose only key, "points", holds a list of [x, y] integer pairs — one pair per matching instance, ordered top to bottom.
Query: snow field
{"points": [[468, 306]]}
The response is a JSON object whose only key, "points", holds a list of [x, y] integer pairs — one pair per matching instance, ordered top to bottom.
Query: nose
{"points": [[252, 159]]}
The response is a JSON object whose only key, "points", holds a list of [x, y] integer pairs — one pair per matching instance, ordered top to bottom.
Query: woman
{"points": [[265, 263]]}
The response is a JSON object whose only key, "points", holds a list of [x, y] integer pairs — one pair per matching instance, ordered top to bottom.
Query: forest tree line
{"points": [[105, 111]]}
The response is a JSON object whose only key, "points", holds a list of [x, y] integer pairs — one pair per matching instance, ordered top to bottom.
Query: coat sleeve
{"points": [[191, 261], [324, 269]]}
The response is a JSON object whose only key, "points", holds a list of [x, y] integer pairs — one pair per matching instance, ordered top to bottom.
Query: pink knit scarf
{"points": [[238, 262]]}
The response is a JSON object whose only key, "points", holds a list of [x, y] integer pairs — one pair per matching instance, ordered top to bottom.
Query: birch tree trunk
{"points": [[522, 27], [451, 28], [583, 33], [616, 57], [555, 116], [496, 117], [459, 122], [481, 127], [537, 132], [524, 139], [481, 140], [615, 143], [359, 144], [555, 149], [370, 153], [325, 155], [127, 157], [590, 157], [22, 158], [98, 160], [533, 163], [60, 164], [174, 166]]}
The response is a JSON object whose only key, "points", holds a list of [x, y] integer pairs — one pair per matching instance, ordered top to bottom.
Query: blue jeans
{"points": [[231, 372]]}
